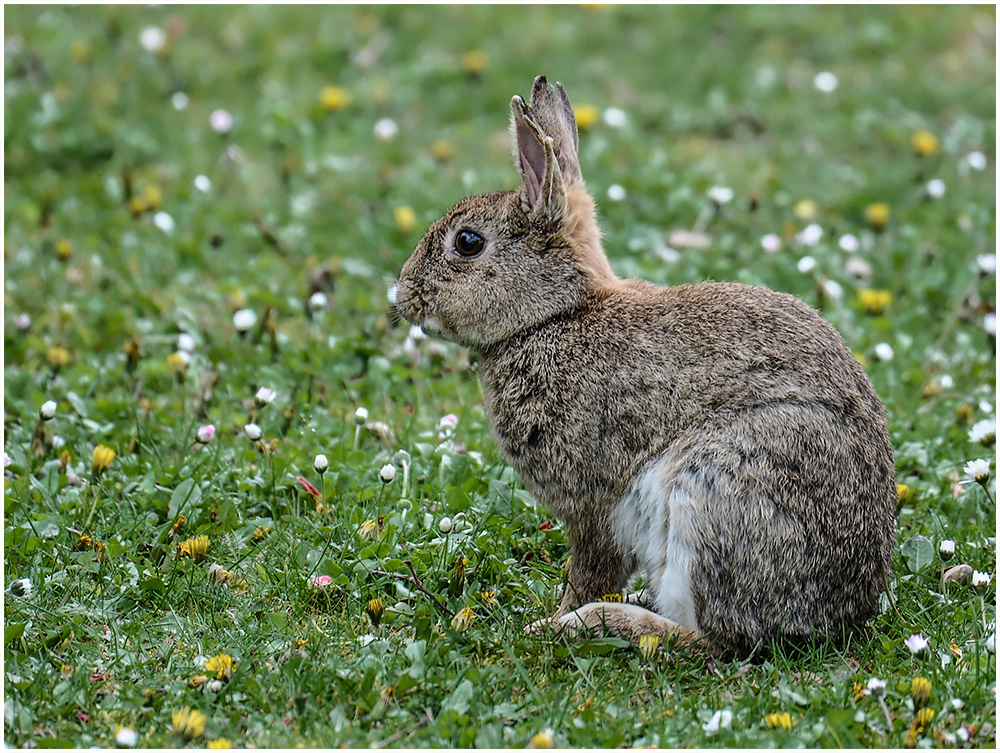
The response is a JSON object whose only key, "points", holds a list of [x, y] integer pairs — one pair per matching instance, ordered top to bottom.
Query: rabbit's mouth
{"points": [[409, 307]]}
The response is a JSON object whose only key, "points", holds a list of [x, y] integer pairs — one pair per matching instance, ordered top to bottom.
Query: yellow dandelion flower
{"points": [[79, 51], [474, 62], [334, 98], [586, 116], [925, 143], [442, 149], [153, 197], [137, 205], [806, 210], [878, 215], [406, 219], [63, 249], [875, 301], [58, 357], [177, 362], [102, 458], [903, 494], [368, 529], [259, 534], [84, 542], [195, 548], [612, 597], [489, 599], [375, 609], [463, 619], [648, 645], [222, 665], [197, 681], [920, 691], [859, 692], [924, 716], [780, 719], [189, 722], [542, 740], [910, 741], [221, 743]]}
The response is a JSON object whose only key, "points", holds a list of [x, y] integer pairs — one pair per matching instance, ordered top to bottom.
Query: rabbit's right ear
{"points": [[545, 140]]}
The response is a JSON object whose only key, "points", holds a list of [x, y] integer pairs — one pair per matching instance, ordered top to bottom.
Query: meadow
{"points": [[246, 506]]}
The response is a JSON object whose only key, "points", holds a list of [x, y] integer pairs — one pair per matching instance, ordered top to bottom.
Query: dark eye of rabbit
{"points": [[468, 243]]}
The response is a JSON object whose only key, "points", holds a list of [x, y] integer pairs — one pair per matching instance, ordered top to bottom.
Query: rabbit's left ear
{"points": [[545, 139]]}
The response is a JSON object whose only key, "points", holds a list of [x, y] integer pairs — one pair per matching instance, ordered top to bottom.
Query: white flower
{"points": [[153, 39], [825, 82], [179, 100], [615, 117], [221, 121], [386, 129], [976, 160], [202, 183], [935, 188], [616, 192], [721, 194], [164, 222], [811, 235], [771, 243], [849, 243], [806, 264], [987, 264], [858, 268], [833, 289], [317, 301], [244, 319], [23, 322], [990, 323], [185, 343], [883, 351], [946, 381], [265, 396], [48, 410], [360, 416], [446, 426], [253, 432], [983, 432], [205, 433], [57, 442], [6, 460], [321, 463], [978, 470], [388, 473], [445, 525], [946, 549], [980, 580], [21, 588], [991, 643], [917, 644], [876, 687], [957, 703], [720, 720], [963, 734], [127, 738]]}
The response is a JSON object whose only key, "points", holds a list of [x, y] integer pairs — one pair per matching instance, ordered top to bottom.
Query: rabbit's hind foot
{"points": [[628, 621]]}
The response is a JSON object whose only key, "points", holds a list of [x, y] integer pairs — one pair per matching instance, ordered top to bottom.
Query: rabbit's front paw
{"points": [[543, 626]]}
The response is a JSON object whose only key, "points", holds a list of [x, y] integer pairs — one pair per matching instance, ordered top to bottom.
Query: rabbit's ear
{"points": [[545, 139]]}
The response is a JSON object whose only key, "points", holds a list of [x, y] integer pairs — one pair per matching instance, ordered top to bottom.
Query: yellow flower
{"points": [[79, 51], [474, 62], [334, 98], [586, 116], [925, 143], [442, 150], [153, 197], [137, 205], [807, 209], [878, 215], [406, 219], [63, 249], [875, 301], [58, 357], [177, 362], [102, 458], [903, 494], [368, 529], [195, 548], [612, 597], [489, 599], [375, 609], [463, 619], [648, 645], [222, 665], [197, 681], [920, 691], [924, 716], [781, 719], [189, 722], [541, 740], [219, 744]]}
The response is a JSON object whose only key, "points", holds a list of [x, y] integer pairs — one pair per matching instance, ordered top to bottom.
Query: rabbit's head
{"points": [[499, 263]]}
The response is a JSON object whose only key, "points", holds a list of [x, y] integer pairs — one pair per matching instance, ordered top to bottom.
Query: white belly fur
{"points": [[653, 523]]}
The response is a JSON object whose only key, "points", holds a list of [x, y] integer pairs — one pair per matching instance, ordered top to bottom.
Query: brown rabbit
{"points": [[720, 437]]}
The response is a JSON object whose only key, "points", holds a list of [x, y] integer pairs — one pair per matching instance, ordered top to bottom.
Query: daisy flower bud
{"points": [[221, 121], [386, 129], [771, 243], [317, 301], [243, 320], [185, 343], [265, 396], [48, 410], [360, 416], [253, 432], [206, 433], [320, 464], [388, 473], [445, 525], [946, 549], [980, 581], [21, 588], [917, 644], [876, 687], [125, 737]]}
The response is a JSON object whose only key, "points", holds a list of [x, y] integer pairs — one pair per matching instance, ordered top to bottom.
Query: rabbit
{"points": [[720, 437]]}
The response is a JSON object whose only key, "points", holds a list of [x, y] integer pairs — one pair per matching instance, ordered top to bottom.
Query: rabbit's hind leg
{"points": [[628, 621]]}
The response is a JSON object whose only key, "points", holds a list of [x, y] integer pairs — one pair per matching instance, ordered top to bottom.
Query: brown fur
{"points": [[758, 418]]}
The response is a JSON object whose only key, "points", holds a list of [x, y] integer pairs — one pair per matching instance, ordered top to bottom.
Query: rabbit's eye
{"points": [[468, 243]]}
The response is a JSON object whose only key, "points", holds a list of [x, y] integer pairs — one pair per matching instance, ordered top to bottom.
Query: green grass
{"points": [[301, 199]]}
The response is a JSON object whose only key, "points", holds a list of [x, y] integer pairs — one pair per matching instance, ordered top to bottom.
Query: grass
{"points": [[114, 246]]}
